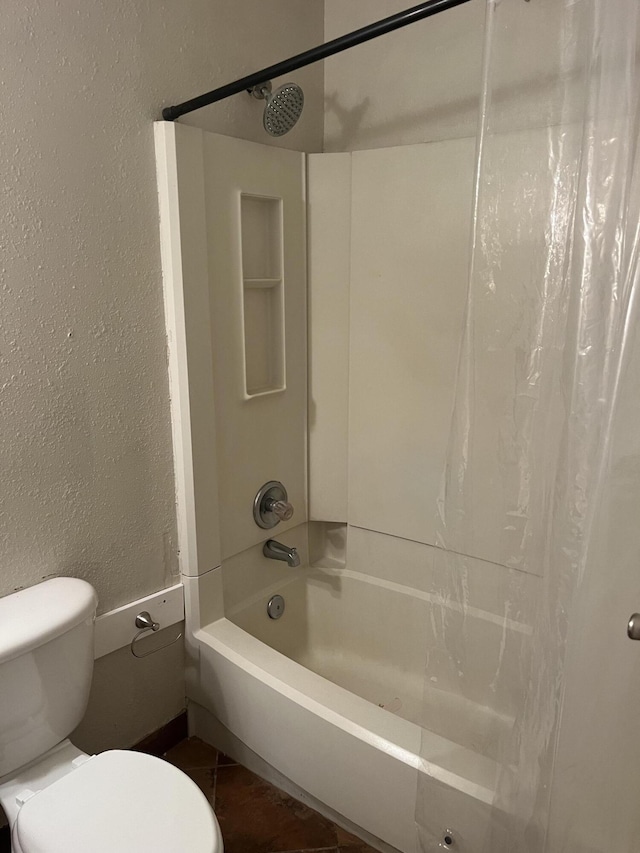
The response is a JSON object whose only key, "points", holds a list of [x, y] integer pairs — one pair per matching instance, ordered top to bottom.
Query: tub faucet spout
{"points": [[276, 551]]}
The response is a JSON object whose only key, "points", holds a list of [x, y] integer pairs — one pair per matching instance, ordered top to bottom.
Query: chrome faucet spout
{"points": [[277, 551]]}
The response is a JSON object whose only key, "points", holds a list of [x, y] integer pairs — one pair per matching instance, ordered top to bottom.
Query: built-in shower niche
{"points": [[263, 295]]}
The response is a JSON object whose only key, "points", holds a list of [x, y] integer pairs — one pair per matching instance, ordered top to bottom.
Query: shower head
{"points": [[283, 107]]}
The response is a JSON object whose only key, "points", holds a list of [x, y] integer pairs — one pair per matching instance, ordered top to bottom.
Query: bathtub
{"points": [[339, 705]]}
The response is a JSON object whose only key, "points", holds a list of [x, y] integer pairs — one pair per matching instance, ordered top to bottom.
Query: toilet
{"points": [[58, 799]]}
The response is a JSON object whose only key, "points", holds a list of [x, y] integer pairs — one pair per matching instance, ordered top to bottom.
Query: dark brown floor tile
{"points": [[192, 753], [225, 760], [205, 779], [255, 817], [5, 840], [348, 843]]}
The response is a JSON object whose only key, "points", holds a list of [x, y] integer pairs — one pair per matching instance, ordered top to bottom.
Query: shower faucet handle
{"points": [[271, 505], [283, 509]]}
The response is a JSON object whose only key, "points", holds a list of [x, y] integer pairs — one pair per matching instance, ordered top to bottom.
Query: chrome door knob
{"points": [[633, 628]]}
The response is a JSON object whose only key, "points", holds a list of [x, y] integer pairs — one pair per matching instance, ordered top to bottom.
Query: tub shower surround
{"points": [[357, 696]]}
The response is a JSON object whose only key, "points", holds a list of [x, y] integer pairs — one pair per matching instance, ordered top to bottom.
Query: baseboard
{"points": [[164, 738]]}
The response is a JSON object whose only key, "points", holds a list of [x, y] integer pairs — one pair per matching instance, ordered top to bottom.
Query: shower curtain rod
{"points": [[387, 25]]}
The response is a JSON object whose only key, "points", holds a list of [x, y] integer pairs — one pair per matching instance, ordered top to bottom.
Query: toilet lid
{"points": [[119, 801]]}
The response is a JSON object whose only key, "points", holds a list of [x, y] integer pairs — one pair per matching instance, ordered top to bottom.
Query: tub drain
{"points": [[275, 607]]}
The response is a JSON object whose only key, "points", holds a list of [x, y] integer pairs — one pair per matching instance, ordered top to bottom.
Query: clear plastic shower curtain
{"points": [[539, 514]]}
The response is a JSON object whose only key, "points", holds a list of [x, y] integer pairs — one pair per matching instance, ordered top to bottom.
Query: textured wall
{"points": [[85, 446]]}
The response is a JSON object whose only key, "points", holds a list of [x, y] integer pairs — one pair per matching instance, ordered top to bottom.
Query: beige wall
{"points": [[422, 83], [417, 84], [405, 271], [85, 444], [132, 697]]}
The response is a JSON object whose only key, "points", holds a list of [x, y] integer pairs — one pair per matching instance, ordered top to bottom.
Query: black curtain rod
{"points": [[387, 25]]}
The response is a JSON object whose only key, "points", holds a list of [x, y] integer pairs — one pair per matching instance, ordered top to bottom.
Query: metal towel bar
{"points": [[145, 623]]}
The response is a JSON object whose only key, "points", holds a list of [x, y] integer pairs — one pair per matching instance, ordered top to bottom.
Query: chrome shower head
{"points": [[283, 107]]}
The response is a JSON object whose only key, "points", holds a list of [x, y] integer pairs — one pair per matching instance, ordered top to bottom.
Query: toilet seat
{"points": [[119, 801]]}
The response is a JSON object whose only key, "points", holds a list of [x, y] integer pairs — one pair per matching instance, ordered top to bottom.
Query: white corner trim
{"points": [[117, 628]]}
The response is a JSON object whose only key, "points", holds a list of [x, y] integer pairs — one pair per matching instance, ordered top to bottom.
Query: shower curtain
{"points": [[539, 513]]}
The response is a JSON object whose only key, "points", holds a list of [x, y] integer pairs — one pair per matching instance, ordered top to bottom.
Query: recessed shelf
{"points": [[261, 223], [262, 295]]}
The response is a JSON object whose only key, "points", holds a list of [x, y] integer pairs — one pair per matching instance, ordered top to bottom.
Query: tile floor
{"points": [[255, 817]]}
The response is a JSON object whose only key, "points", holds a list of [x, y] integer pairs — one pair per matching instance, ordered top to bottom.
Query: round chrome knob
{"points": [[271, 505], [282, 509], [633, 628]]}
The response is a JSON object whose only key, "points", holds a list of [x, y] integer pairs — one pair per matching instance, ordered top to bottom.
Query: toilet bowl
{"points": [[58, 799], [116, 801]]}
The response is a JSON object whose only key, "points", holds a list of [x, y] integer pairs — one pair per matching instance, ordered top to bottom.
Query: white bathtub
{"points": [[307, 694]]}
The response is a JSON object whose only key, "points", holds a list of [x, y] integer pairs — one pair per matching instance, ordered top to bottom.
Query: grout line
{"points": [[230, 762], [312, 850]]}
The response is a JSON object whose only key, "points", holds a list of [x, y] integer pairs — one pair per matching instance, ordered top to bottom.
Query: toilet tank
{"points": [[46, 663]]}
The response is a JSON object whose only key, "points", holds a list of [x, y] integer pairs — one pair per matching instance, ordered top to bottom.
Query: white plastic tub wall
{"points": [[303, 692]]}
